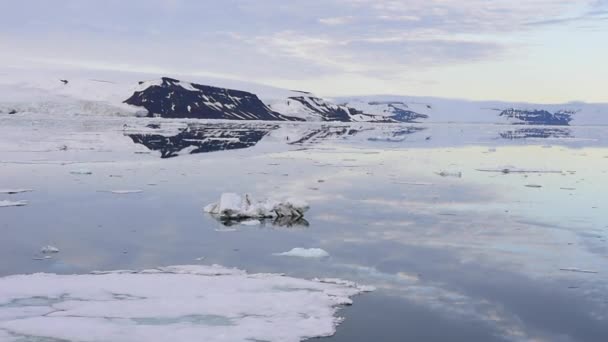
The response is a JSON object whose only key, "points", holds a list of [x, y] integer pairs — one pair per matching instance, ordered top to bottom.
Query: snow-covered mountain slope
{"points": [[134, 94], [171, 98], [309, 107], [438, 110]]}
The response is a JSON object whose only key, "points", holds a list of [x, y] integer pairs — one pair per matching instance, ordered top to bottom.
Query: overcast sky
{"points": [[528, 50]]}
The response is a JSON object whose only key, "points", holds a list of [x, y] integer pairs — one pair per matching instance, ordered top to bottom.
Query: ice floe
{"points": [[81, 172], [14, 191], [125, 192], [6, 203], [237, 206], [49, 249], [305, 253], [177, 303]]}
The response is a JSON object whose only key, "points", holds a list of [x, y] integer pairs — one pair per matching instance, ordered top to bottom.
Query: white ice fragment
{"points": [[81, 172], [14, 191], [125, 192], [12, 203], [232, 205], [251, 223], [49, 250], [305, 253], [179, 303]]}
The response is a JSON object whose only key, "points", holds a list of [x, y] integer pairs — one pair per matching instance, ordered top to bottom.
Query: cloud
{"points": [[336, 20]]}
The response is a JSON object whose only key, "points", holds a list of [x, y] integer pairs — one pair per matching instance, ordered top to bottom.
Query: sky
{"points": [[543, 51]]}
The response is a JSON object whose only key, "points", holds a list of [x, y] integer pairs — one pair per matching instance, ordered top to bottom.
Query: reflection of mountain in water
{"points": [[321, 133], [538, 133], [314, 135], [204, 138], [285, 222]]}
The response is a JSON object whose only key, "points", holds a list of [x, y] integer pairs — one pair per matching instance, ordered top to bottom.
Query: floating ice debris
{"points": [[507, 170], [81, 172], [456, 174], [533, 186], [568, 188], [14, 191], [125, 192], [12, 203], [232, 205], [251, 223], [49, 250], [305, 253], [46, 257], [200, 259], [578, 270], [178, 303]]}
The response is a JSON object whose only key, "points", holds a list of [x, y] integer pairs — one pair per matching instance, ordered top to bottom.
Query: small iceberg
{"points": [[12, 203], [234, 206], [305, 253], [176, 303]]}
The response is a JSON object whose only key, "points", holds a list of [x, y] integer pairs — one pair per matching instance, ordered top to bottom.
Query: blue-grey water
{"points": [[483, 256]]}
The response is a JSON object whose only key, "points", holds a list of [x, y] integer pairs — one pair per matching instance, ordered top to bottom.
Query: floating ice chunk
{"points": [[81, 172], [456, 174], [533, 186], [14, 191], [125, 192], [12, 203], [235, 206], [251, 223], [49, 250], [305, 253], [179, 303]]}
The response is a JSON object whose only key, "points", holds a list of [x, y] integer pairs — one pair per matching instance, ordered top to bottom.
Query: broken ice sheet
{"points": [[179, 303]]}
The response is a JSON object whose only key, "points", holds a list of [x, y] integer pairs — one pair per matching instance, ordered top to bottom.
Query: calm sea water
{"points": [[474, 255]]}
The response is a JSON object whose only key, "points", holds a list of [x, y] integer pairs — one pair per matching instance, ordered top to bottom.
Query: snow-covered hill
{"points": [[134, 94], [439, 110]]}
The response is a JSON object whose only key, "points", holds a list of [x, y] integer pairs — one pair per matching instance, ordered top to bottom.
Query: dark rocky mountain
{"points": [[174, 99], [538, 117], [204, 138]]}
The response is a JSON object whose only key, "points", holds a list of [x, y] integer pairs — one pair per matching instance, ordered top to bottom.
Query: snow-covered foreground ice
{"points": [[236, 206], [177, 303]]}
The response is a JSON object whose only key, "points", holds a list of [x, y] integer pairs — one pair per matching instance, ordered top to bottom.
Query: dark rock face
{"points": [[172, 99], [12, 111], [404, 115], [539, 117], [536, 133], [204, 138]]}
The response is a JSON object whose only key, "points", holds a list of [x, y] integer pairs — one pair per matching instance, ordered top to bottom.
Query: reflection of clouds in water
{"points": [[438, 298]]}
